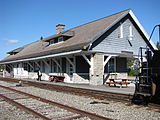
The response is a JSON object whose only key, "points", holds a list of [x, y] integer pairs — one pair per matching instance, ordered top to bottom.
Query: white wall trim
{"points": [[142, 29], [42, 57]]}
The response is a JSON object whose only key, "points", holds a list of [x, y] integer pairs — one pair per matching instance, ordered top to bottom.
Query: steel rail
{"points": [[78, 91], [84, 92], [24, 107], [93, 116]]}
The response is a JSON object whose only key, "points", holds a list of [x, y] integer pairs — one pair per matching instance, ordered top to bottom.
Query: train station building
{"points": [[87, 54]]}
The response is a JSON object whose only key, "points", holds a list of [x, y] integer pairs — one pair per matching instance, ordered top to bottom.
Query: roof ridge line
{"points": [[100, 19], [91, 22]]}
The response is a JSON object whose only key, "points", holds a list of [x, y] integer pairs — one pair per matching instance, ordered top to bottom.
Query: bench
{"points": [[56, 78], [118, 82]]}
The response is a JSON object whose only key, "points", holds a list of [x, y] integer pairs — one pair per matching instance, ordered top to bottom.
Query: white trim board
{"points": [[142, 29], [42, 57]]}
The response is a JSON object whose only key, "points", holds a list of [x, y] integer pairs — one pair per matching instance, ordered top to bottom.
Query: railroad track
{"points": [[78, 91], [43, 108]]}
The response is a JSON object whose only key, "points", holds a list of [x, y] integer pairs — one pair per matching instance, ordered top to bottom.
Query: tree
{"points": [[133, 66]]}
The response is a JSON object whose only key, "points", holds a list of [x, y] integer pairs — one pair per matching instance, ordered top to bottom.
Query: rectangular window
{"points": [[121, 30], [130, 31], [130, 37], [60, 39], [55, 40], [51, 41]]}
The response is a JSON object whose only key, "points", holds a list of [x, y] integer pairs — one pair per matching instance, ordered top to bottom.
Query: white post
{"points": [[106, 61]]}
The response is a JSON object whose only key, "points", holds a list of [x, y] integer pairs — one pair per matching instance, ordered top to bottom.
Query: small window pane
{"points": [[60, 39]]}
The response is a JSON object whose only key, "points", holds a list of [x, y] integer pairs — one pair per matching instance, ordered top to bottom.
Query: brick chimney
{"points": [[59, 28]]}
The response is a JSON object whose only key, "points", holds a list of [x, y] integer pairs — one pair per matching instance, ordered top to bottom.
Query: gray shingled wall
{"points": [[112, 43]]}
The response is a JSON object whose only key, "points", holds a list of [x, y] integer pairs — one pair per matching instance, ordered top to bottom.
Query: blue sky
{"points": [[25, 21]]}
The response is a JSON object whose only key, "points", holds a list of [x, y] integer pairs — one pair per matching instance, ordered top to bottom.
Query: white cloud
{"points": [[12, 41]]}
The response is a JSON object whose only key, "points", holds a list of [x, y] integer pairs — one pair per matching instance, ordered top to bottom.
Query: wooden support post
{"points": [[87, 60], [70, 61], [106, 61], [45, 62], [57, 63], [37, 64], [30, 65], [9, 67]]}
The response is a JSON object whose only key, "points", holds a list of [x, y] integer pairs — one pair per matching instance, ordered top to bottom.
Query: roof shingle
{"points": [[83, 35]]}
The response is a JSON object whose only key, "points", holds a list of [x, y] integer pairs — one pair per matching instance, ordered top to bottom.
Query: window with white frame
{"points": [[121, 30], [130, 32], [56, 40]]}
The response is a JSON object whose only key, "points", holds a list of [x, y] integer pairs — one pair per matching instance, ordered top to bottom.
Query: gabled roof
{"points": [[83, 36]]}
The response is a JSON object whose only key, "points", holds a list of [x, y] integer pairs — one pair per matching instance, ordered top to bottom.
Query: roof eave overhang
{"points": [[42, 57]]}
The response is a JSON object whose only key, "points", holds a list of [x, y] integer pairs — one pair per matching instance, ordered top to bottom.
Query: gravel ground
{"points": [[110, 109], [49, 111], [10, 112]]}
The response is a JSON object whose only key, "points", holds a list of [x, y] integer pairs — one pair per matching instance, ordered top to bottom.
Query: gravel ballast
{"points": [[109, 109], [10, 112]]}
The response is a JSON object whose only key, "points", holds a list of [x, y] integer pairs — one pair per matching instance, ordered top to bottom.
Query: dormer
{"points": [[59, 38], [13, 52]]}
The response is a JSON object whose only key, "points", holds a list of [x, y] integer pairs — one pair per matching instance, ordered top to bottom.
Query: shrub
{"points": [[132, 72]]}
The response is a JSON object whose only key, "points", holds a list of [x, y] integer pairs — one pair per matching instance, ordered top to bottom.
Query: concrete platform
{"points": [[130, 90]]}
